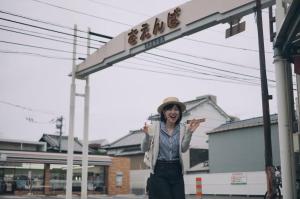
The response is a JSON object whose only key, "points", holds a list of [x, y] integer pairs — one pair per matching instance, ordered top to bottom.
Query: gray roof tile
{"points": [[257, 121], [133, 138]]}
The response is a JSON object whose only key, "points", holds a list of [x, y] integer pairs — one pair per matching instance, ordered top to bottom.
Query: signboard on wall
{"points": [[238, 178]]}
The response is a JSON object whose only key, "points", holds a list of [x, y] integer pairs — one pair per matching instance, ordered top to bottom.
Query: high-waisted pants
{"points": [[167, 181]]}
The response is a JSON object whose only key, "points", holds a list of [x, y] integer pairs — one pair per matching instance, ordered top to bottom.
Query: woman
{"points": [[169, 140]]}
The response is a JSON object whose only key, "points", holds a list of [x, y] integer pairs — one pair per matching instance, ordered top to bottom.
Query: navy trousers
{"points": [[167, 181]]}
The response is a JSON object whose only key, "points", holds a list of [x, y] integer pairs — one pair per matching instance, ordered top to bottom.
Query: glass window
{"points": [[26, 177], [96, 178]]}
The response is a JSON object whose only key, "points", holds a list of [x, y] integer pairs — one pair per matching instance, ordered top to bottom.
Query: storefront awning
{"points": [[51, 158]]}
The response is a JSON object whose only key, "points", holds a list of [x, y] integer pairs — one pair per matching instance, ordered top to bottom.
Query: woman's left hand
{"points": [[194, 124]]}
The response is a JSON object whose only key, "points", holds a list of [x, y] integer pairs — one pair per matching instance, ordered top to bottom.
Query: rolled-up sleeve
{"points": [[186, 140], [145, 145]]}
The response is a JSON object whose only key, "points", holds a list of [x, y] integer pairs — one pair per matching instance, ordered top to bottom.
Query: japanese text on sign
{"points": [[157, 28]]}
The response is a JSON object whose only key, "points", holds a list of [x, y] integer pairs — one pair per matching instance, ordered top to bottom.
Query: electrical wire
{"points": [[120, 8], [81, 13], [46, 22], [47, 29], [48, 35], [41, 37], [225, 46], [39, 47], [34, 54], [210, 59], [213, 68], [188, 76], [222, 76], [26, 108]]}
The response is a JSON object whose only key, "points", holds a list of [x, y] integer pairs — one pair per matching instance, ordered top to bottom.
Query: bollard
{"points": [[199, 187]]}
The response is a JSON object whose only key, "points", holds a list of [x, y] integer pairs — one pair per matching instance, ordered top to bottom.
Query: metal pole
{"points": [[265, 101], [71, 123], [60, 132], [85, 151]]}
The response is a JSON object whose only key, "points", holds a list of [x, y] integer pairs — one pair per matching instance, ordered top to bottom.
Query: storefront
{"points": [[25, 172]]}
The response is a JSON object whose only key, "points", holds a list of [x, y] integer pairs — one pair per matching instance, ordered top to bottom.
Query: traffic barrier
{"points": [[199, 187]]}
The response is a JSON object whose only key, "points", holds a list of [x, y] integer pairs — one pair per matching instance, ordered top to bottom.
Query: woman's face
{"points": [[172, 114]]}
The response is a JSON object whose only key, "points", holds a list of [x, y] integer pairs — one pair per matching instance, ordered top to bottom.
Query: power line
{"points": [[119, 8], [81, 13], [48, 23], [47, 29], [49, 35], [44, 37], [226, 46], [40, 47], [34, 54], [210, 59], [206, 66], [176, 68], [200, 72], [188, 76], [26, 108]]}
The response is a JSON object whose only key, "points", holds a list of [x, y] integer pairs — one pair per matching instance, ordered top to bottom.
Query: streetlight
{"points": [[59, 124]]}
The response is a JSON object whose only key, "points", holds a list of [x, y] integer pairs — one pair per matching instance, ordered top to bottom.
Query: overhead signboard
{"points": [[177, 22]]}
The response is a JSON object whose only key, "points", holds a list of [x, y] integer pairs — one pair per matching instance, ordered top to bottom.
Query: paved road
{"points": [[124, 197]]}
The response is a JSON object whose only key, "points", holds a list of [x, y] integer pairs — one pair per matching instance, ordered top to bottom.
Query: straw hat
{"points": [[171, 100]]}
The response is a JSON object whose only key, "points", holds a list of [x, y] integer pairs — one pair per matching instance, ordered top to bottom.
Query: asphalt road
{"points": [[123, 197]]}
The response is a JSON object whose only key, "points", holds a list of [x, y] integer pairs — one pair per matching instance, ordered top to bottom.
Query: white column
{"points": [[284, 115], [71, 123], [284, 128], [85, 143], [85, 149]]}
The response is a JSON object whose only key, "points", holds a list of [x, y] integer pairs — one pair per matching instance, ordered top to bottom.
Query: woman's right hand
{"points": [[146, 128]]}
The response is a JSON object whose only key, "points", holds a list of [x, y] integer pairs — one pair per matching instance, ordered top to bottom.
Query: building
{"points": [[56, 143], [236, 159], [39, 168]]}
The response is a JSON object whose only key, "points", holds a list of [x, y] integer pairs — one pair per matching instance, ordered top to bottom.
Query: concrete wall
{"points": [[138, 179], [253, 183]]}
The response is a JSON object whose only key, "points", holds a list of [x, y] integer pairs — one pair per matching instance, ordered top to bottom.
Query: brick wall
{"points": [[120, 167]]}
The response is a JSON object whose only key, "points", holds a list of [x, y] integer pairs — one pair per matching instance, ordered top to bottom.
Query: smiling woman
{"points": [[169, 139]]}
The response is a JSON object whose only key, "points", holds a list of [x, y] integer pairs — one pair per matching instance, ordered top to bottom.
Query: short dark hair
{"points": [[168, 107]]}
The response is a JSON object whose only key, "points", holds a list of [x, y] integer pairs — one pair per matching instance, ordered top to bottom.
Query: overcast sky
{"points": [[34, 82]]}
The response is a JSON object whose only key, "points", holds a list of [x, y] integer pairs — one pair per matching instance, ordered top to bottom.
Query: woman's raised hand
{"points": [[194, 124], [146, 128]]}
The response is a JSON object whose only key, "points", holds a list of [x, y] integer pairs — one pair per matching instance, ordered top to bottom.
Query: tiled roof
{"points": [[257, 121], [133, 138], [53, 141]]}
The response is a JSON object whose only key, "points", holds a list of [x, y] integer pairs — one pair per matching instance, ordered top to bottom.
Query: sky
{"points": [[34, 70]]}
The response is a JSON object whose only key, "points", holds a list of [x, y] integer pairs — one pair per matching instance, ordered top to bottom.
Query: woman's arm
{"points": [[188, 132], [186, 140], [145, 145]]}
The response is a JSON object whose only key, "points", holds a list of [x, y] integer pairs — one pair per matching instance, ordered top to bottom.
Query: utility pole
{"points": [[265, 103], [59, 124]]}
